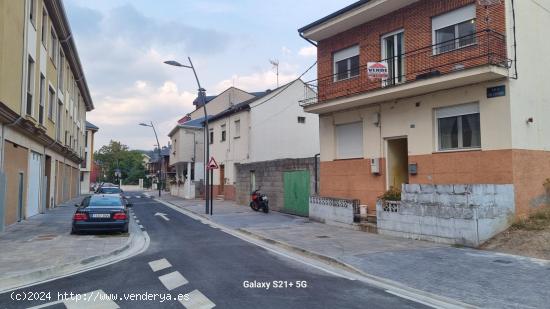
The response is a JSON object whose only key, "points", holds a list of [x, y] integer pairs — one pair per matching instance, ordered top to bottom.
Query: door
{"points": [[393, 49], [398, 162], [35, 175], [48, 178], [222, 180], [296, 192]]}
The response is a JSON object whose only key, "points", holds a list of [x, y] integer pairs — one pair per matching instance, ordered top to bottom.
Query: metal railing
{"points": [[486, 47]]}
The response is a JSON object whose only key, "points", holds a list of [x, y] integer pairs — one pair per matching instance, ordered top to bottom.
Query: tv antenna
{"points": [[275, 64]]}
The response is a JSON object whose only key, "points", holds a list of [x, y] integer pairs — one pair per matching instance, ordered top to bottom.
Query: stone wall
{"points": [[269, 175], [332, 210], [455, 214]]}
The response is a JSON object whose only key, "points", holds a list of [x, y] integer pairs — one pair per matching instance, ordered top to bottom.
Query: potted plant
{"points": [[390, 200]]}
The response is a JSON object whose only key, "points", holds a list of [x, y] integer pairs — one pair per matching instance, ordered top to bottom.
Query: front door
{"points": [[398, 162], [35, 175], [222, 180], [296, 186]]}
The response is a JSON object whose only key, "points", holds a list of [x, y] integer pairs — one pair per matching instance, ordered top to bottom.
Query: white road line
{"points": [[138, 196], [137, 221], [141, 227], [159, 264], [173, 280], [91, 300], [197, 300]]}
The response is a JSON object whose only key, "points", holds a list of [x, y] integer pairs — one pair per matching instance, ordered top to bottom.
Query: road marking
{"points": [[128, 196], [138, 196], [163, 215], [137, 221], [141, 227], [159, 264], [173, 280], [91, 300], [197, 300]]}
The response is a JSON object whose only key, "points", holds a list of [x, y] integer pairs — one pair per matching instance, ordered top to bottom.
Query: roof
{"points": [[333, 15], [207, 99], [243, 106], [191, 124], [91, 126]]}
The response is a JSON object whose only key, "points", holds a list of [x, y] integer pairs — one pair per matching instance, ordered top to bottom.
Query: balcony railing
{"points": [[486, 47]]}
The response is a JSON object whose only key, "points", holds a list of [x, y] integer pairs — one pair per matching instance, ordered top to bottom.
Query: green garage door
{"points": [[296, 186]]}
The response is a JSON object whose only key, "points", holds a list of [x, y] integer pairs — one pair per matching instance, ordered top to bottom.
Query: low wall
{"points": [[181, 190], [332, 210], [455, 214]]}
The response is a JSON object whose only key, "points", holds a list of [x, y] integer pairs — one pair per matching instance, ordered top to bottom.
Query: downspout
{"points": [[515, 46], [316, 173]]}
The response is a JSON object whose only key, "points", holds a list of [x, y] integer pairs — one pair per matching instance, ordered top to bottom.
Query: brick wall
{"points": [[416, 20]]}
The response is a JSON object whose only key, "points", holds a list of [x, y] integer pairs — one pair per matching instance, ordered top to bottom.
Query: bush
{"points": [[393, 194], [536, 221]]}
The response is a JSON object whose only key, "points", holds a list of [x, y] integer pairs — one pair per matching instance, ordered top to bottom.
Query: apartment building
{"points": [[431, 97], [43, 103], [87, 165]]}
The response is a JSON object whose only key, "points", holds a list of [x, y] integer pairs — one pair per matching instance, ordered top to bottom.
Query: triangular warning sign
{"points": [[212, 164]]}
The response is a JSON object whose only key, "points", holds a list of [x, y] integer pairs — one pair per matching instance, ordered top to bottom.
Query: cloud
{"points": [[286, 51], [308, 51], [259, 81]]}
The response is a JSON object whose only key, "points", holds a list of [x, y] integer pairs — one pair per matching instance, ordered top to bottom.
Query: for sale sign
{"points": [[377, 70]]}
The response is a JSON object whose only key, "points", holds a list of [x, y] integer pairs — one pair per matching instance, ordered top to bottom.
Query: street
{"points": [[197, 266]]}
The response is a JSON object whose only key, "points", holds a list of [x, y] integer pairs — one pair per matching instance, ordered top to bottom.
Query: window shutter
{"points": [[454, 17], [346, 53], [457, 110], [349, 140]]}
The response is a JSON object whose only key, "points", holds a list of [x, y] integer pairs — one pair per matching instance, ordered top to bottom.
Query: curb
{"points": [[137, 243], [390, 286]]}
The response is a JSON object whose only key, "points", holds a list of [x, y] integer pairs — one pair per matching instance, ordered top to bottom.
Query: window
{"points": [[32, 9], [44, 27], [454, 30], [393, 49], [52, 51], [346, 63], [61, 70], [30, 86], [42, 99], [51, 103], [301, 119], [58, 120], [458, 127], [237, 128], [223, 133], [211, 136], [349, 140], [86, 141]]}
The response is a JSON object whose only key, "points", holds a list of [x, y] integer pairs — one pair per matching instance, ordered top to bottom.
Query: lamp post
{"points": [[201, 95], [160, 153]]}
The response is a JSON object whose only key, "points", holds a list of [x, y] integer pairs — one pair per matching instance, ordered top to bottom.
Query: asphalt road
{"points": [[202, 266]]}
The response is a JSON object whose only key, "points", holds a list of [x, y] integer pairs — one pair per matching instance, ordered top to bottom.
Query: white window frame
{"points": [[452, 18], [44, 30], [52, 51], [345, 54], [383, 57], [31, 69], [42, 99], [52, 101], [456, 111], [237, 127], [223, 135], [358, 153]]}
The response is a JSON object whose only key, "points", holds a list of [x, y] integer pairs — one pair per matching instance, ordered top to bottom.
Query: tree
{"points": [[118, 156]]}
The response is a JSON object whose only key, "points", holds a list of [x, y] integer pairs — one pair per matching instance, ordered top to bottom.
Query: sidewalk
{"points": [[42, 247], [481, 278]]}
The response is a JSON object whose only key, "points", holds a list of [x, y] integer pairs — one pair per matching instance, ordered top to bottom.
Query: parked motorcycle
{"points": [[259, 201]]}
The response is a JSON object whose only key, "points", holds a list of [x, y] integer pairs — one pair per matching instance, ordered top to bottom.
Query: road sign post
{"points": [[212, 165]]}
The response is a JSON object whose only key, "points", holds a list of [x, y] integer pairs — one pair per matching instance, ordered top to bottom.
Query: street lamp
{"points": [[202, 98], [160, 154]]}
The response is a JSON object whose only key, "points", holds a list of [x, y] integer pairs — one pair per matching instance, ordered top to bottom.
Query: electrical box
{"points": [[375, 166], [413, 169]]}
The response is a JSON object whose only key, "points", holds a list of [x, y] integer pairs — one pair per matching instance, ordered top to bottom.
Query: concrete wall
{"points": [[269, 175], [331, 210], [455, 214]]}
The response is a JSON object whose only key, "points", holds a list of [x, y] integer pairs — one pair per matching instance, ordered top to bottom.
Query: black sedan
{"points": [[101, 212]]}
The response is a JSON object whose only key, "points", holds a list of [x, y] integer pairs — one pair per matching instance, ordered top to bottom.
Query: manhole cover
{"points": [[323, 236], [502, 261]]}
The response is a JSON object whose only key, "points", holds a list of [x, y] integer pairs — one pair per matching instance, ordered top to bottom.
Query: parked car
{"points": [[110, 190], [101, 212]]}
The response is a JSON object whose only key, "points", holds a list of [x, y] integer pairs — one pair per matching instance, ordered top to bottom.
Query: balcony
{"points": [[432, 68]]}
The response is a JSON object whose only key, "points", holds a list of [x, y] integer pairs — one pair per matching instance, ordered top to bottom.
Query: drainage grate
{"points": [[323, 236], [502, 261]]}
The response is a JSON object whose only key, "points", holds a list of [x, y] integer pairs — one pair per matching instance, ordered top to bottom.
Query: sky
{"points": [[123, 44]]}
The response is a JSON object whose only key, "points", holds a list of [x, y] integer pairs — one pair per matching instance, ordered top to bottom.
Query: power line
{"points": [[286, 86]]}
